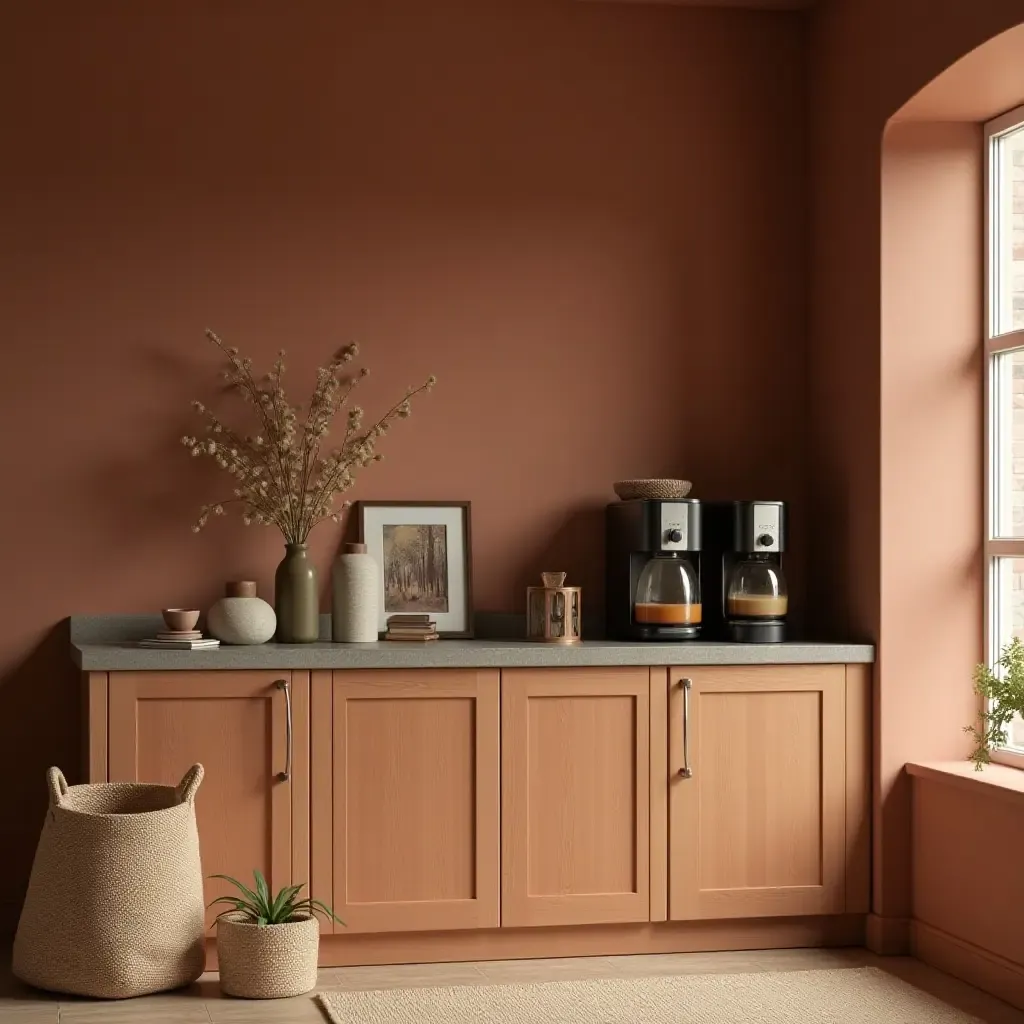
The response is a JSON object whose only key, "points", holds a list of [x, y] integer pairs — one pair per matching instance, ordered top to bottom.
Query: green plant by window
{"points": [[1003, 695], [260, 907]]}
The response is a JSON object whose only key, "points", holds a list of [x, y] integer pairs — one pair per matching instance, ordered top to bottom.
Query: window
{"points": [[1004, 387]]}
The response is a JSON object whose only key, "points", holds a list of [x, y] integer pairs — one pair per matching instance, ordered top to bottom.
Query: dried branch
{"points": [[282, 477]]}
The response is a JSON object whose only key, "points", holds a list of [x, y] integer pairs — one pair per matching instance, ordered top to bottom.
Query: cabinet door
{"points": [[236, 725], [415, 794], [575, 807], [759, 827]]}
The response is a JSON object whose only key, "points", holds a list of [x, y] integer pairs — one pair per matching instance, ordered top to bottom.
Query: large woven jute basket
{"points": [[114, 907], [268, 962]]}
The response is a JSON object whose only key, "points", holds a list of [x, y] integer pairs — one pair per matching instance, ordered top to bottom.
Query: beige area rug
{"points": [[861, 995]]}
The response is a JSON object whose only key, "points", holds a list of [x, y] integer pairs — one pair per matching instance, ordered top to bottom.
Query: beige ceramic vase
{"points": [[355, 590], [240, 617], [271, 962]]}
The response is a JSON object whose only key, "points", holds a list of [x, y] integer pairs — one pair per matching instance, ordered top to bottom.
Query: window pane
{"points": [[1008, 232], [1007, 439], [1008, 600], [1008, 617]]}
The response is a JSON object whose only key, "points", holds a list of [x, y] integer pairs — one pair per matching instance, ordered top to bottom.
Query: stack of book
{"points": [[411, 627], [181, 640]]}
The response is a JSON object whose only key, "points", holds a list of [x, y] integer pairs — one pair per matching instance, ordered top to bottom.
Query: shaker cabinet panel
{"points": [[236, 724], [416, 799], [575, 805], [758, 827]]}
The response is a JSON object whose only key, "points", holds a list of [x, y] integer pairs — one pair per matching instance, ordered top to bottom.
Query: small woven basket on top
{"points": [[663, 490], [114, 906], [268, 962]]}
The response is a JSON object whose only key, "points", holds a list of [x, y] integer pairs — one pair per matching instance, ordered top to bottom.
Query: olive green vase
{"points": [[296, 598]]}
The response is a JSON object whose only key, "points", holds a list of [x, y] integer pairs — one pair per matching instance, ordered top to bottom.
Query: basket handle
{"points": [[190, 784], [57, 785]]}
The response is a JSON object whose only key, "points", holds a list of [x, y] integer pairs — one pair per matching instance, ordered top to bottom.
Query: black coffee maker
{"points": [[652, 569], [745, 594]]}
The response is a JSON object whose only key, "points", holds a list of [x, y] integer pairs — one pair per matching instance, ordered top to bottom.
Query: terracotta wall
{"points": [[587, 220], [931, 456], [896, 520], [967, 881]]}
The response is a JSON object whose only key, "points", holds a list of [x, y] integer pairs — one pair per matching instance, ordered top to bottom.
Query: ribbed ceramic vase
{"points": [[355, 585], [296, 598], [240, 617]]}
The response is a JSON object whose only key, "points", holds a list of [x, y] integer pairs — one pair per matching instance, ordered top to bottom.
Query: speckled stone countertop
{"points": [[105, 644]]}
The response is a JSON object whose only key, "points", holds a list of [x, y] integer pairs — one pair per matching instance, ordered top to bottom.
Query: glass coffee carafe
{"points": [[756, 589], [668, 593]]}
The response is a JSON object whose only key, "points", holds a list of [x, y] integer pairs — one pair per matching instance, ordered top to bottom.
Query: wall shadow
{"points": [[576, 547], [40, 726]]}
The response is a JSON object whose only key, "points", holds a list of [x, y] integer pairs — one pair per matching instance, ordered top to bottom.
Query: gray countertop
{"points": [[105, 645]]}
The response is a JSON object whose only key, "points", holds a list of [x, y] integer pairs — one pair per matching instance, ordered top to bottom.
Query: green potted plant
{"points": [[1002, 691], [267, 945]]}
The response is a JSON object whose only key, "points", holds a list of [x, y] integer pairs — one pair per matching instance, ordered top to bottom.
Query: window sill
{"points": [[995, 780]]}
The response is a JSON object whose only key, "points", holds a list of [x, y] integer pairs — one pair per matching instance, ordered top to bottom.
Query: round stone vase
{"points": [[296, 597], [240, 617]]}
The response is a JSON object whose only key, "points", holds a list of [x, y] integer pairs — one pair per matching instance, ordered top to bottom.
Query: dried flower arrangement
{"points": [[284, 475]]}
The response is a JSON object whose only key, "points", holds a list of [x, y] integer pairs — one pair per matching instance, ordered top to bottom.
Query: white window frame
{"points": [[994, 545]]}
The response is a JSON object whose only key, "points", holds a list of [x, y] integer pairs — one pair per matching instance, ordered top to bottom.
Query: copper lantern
{"points": [[553, 614]]}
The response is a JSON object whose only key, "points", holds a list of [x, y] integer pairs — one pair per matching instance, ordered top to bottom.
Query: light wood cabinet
{"points": [[236, 725], [415, 779], [575, 796], [423, 800], [759, 826]]}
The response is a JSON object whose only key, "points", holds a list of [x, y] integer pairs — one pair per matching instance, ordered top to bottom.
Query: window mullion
{"points": [[1004, 342], [1004, 547]]}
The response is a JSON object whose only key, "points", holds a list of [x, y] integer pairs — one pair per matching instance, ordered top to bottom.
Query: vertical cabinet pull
{"points": [[282, 684], [686, 771]]}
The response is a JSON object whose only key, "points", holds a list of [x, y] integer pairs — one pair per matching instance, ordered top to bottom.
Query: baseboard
{"points": [[887, 936], [347, 950], [977, 966]]}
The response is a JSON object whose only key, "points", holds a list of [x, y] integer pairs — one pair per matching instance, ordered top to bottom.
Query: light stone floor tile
{"points": [[734, 962], [561, 969], [402, 976], [161, 1009], [300, 1010], [26, 1015]]}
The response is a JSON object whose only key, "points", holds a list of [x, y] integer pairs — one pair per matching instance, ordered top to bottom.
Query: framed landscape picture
{"points": [[423, 551]]}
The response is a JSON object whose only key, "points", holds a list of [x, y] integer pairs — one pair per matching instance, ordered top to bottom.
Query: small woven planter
{"points": [[271, 962]]}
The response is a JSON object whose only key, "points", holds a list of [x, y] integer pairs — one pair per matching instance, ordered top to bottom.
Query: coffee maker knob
{"points": [[675, 536], [766, 540]]}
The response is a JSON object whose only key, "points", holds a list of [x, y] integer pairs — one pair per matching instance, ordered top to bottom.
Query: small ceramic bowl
{"points": [[180, 620]]}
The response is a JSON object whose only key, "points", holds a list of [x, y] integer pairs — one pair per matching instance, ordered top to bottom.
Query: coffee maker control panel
{"points": [[676, 527], [767, 527]]}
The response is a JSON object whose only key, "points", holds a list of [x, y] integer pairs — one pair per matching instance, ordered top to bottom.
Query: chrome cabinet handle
{"points": [[282, 684], [686, 772]]}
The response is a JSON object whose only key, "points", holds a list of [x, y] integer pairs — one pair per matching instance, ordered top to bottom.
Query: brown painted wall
{"points": [[587, 220], [876, 563]]}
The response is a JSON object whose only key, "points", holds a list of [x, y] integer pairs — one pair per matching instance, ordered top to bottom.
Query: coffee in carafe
{"points": [[668, 592]]}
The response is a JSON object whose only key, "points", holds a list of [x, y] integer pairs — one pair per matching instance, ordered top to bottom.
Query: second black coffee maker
{"points": [[745, 595]]}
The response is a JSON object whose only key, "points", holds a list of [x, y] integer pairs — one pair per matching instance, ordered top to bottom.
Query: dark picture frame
{"points": [[439, 580]]}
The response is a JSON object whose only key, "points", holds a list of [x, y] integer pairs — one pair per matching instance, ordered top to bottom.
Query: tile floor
{"points": [[203, 1003]]}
